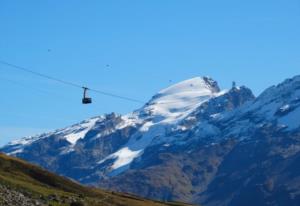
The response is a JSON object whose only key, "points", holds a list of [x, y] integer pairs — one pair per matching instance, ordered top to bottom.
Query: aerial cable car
{"points": [[86, 99]]}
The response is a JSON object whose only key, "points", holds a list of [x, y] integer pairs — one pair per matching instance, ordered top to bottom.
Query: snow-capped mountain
{"points": [[158, 117], [183, 143]]}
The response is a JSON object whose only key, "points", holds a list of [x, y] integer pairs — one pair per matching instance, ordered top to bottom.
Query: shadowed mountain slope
{"points": [[24, 184]]}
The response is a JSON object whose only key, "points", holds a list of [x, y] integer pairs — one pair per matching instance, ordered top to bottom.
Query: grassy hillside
{"points": [[23, 184]]}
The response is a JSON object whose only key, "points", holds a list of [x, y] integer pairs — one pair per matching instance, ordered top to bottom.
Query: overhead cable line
{"points": [[40, 74], [67, 82], [37, 90], [116, 96]]}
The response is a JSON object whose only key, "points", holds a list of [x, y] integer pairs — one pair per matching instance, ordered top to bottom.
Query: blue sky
{"points": [[145, 44]]}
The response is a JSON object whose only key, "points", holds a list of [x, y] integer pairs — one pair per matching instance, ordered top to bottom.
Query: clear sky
{"points": [[145, 43]]}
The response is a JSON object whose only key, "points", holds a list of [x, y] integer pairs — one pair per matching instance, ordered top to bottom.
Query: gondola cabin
{"points": [[86, 99]]}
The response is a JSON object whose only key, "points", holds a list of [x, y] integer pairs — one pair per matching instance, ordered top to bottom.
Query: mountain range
{"points": [[192, 142]]}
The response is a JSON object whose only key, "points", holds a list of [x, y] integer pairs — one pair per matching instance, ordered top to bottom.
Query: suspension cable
{"points": [[68, 82]]}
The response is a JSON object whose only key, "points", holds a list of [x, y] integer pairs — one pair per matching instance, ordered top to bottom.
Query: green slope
{"points": [[22, 183]]}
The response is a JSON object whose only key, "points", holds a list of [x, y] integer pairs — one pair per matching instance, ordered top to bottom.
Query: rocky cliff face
{"points": [[191, 142]]}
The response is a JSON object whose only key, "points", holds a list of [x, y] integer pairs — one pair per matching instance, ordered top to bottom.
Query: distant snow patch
{"points": [[285, 107], [292, 119], [79, 131], [15, 152], [124, 157]]}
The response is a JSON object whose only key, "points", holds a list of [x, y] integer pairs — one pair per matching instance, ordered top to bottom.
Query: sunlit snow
{"points": [[177, 101], [166, 108], [79, 131], [124, 156]]}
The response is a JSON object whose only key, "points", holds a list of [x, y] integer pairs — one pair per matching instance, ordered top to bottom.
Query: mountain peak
{"points": [[204, 84], [287, 87], [175, 102]]}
